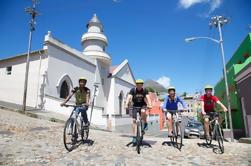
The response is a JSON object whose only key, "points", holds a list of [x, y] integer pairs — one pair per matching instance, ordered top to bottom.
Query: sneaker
{"points": [[146, 126], [170, 134], [134, 140]]}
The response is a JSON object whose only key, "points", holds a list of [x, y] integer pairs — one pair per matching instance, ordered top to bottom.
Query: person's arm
{"points": [[88, 94], [67, 99], [128, 100], [149, 102], [164, 104], [184, 105], [222, 106], [202, 108]]}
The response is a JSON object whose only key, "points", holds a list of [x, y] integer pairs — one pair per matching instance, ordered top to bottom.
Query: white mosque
{"points": [[55, 69]]}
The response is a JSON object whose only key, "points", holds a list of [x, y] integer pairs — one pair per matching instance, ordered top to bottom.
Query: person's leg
{"points": [[84, 115], [134, 116], [144, 118], [169, 123], [206, 126]]}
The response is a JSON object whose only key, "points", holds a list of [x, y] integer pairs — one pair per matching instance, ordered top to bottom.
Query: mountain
{"points": [[155, 86]]}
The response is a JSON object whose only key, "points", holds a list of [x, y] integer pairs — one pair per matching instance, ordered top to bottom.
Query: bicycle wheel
{"points": [[70, 135], [178, 136], [219, 138], [138, 139], [209, 139]]}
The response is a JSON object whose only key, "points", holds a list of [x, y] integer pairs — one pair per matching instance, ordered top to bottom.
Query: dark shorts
{"points": [[135, 111], [211, 115]]}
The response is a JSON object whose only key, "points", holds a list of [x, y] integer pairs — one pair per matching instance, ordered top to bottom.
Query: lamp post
{"points": [[33, 13], [218, 22]]}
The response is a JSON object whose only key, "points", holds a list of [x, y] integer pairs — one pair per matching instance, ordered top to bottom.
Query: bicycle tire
{"points": [[68, 126], [179, 137], [219, 138], [138, 139]]}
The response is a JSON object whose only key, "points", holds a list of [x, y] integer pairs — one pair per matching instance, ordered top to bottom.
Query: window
{"points": [[8, 70], [64, 90], [121, 97]]}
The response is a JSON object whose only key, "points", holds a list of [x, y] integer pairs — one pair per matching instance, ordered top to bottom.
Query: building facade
{"points": [[235, 65], [55, 69]]}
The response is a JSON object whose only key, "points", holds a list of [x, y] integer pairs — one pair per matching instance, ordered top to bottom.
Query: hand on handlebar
{"points": [[63, 104]]}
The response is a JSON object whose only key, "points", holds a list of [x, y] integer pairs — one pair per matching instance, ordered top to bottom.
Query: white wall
{"points": [[61, 63], [125, 74], [120, 85], [12, 86]]}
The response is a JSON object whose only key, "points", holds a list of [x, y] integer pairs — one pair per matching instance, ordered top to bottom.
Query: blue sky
{"points": [[149, 33]]}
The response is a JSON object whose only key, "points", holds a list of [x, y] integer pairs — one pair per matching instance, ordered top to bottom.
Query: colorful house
{"points": [[239, 60]]}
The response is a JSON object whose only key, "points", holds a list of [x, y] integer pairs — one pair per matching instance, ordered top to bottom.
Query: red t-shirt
{"points": [[209, 102]]}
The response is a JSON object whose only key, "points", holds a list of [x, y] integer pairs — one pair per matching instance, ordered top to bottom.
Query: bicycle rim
{"points": [[68, 134], [179, 138], [138, 139], [220, 139]]}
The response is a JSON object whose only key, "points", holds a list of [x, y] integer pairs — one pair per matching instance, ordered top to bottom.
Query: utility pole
{"points": [[33, 13], [218, 22]]}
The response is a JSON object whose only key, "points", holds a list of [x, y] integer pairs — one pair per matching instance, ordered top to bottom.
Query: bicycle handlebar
{"points": [[74, 105]]}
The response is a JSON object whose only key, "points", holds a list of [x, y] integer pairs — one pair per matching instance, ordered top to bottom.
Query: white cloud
{"points": [[116, 1], [188, 3], [214, 4], [165, 81]]}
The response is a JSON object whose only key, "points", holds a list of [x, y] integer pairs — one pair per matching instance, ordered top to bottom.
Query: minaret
{"points": [[95, 42]]}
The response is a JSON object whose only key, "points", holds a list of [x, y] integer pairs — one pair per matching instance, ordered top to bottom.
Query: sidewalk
{"points": [[35, 113], [41, 114]]}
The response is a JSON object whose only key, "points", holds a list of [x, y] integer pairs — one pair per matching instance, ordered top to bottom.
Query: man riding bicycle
{"points": [[82, 96], [140, 98], [208, 105], [170, 106]]}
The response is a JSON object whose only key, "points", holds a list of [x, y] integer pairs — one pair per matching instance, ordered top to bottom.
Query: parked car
{"points": [[194, 128]]}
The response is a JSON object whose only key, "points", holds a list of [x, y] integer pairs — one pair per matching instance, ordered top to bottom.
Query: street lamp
{"points": [[33, 13], [218, 22]]}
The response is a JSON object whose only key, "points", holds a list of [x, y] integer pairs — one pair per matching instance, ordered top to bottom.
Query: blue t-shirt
{"points": [[173, 104]]}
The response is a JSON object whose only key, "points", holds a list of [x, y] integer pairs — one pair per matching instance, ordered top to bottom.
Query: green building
{"points": [[240, 59]]}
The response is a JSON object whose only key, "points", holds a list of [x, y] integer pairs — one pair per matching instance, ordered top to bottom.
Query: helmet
{"points": [[82, 78], [139, 81], [208, 87], [171, 88]]}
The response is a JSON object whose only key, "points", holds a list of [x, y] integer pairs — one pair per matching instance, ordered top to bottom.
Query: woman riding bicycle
{"points": [[82, 95], [208, 105], [170, 106]]}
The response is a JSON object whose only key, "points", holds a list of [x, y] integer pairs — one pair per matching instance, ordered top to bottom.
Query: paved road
{"points": [[30, 141]]}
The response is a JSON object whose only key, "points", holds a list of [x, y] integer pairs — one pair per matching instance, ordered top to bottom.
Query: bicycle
{"points": [[73, 130], [139, 131], [216, 133], [177, 136]]}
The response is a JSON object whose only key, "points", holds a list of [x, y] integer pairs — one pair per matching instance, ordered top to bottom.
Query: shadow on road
{"points": [[87, 142], [170, 143], [215, 148]]}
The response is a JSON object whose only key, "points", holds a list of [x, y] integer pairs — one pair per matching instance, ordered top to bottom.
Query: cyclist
{"points": [[82, 96], [140, 98], [208, 105], [170, 106]]}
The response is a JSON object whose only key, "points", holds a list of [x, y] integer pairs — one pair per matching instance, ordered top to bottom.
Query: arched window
{"points": [[64, 86], [64, 90], [121, 98]]}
